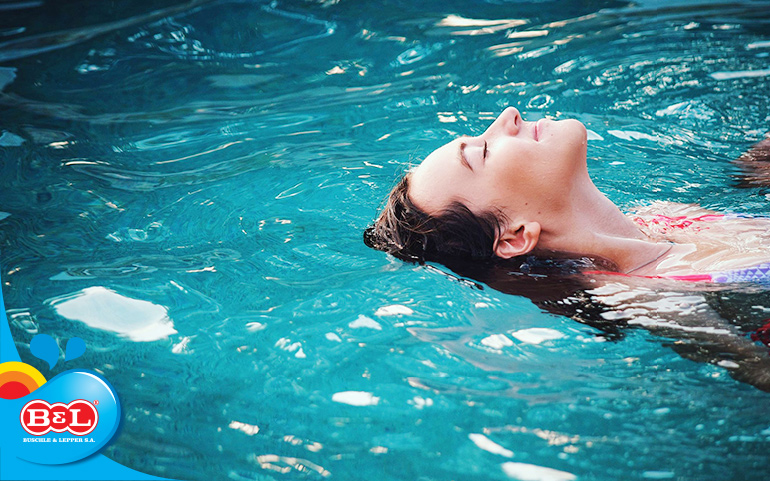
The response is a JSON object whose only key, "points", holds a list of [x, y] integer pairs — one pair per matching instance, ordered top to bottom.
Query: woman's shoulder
{"points": [[671, 209], [671, 217], [661, 220], [706, 241]]}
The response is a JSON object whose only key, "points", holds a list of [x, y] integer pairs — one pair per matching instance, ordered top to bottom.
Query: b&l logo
{"points": [[78, 417]]}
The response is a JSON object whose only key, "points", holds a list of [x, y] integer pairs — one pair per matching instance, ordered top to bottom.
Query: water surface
{"points": [[203, 171]]}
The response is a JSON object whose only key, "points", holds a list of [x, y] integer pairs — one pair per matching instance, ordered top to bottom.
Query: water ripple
{"points": [[220, 161]]}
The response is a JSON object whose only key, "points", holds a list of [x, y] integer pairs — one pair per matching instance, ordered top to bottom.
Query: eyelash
{"points": [[484, 153]]}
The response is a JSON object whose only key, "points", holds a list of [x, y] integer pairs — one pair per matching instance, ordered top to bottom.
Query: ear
{"points": [[518, 240]]}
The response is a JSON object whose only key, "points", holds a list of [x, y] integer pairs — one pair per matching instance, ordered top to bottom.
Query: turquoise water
{"points": [[184, 186]]}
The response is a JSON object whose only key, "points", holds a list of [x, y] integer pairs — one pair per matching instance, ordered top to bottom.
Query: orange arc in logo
{"points": [[18, 379]]}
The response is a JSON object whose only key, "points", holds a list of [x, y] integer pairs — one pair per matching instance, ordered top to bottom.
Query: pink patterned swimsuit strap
{"points": [[670, 223], [759, 274]]}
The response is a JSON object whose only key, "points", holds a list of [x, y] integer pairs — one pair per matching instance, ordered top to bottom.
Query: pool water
{"points": [[185, 185]]}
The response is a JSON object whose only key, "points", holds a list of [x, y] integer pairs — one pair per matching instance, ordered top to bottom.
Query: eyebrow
{"points": [[461, 156]]}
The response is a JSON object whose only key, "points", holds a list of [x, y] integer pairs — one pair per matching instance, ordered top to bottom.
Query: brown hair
{"points": [[407, 232], [458, 238]]}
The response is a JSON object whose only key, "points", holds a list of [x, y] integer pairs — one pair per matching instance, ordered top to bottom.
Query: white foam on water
{"points": [[754, 45], [739, 74], [593, 135], [633, 135], [106, 310], [394, 310], [363, 321], [647, 321], [255, 326], [536, 335], [333, 337], [496, 341], [181, 346], [295, 347], [728, 364], [356, 398], [420, 402], [249, 429], [489, 446], [531, 472], [657, 475]]}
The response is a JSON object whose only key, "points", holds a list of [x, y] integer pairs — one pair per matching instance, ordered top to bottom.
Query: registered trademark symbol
{"points": [[96, 402]]}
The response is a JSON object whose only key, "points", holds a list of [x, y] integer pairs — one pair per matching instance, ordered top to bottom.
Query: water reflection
{"points": [[216, 166], [106, 310]]}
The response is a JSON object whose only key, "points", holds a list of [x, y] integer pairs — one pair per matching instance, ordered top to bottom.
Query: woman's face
{"points": [[525, 169]]}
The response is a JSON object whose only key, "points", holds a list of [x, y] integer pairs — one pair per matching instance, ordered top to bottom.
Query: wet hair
{"points": [[409, 233], [463, 242]]}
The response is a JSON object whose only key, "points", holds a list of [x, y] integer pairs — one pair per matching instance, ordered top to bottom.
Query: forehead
{"points": [[441, 155], [434, 183]]}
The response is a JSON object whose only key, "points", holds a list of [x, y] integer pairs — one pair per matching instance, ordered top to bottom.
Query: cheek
{"points": [[519, 166], [533, 183], [504, 189], [478, 192]]}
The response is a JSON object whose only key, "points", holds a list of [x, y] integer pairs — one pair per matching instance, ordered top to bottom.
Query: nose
{"points": [[507, 123]]}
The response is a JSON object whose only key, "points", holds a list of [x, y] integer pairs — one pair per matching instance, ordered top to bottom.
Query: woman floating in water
{"points": [[523, 188], [518, 197]]}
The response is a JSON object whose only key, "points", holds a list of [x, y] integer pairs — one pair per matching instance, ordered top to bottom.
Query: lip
{"points": [[536, 133]]}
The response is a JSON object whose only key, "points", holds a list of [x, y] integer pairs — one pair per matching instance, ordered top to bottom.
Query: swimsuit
{"points": [[665, 223], [759, 274]]}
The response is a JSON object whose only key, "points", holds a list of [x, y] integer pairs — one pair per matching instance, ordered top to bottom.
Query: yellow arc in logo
{"points": [[18, 379]]}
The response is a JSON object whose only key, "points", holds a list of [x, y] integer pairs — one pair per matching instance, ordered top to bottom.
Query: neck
{"points": [[590, 224]]}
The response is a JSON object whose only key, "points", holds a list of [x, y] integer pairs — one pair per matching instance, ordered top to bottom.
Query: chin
{"points": [[575, 126], [577, 134], [571, 135], [575, 139]]}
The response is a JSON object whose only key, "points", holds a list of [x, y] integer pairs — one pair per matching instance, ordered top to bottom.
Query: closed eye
{"points": [[461, 156]]}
